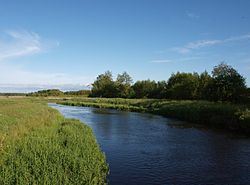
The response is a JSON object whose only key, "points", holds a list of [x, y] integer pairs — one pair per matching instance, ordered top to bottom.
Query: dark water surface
{"points": [[146, 149]]}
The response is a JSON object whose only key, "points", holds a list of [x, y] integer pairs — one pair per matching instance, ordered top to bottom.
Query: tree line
{"points": [[224, 84], [57, 92], [12, 94]]}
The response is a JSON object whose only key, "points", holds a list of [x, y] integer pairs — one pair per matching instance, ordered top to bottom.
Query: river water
{"points": [[146, 149]]}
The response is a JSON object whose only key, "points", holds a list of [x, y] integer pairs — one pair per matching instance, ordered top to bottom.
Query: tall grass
{"points": [[39, 146]]}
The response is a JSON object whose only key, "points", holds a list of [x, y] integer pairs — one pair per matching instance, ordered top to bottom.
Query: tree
{"points": [[124, 79], [123, 83], [225, 84], [228, 84], [183, 85], [104, 86], [204, 88], [144, 89], [159, 91], [49, 92], [78, 93], [248, 95]]}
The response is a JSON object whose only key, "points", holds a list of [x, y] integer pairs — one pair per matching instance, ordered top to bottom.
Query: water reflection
{"points": [[149, 149]]}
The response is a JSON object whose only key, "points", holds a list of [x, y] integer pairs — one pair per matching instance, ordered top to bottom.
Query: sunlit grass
{"points": [[39, 146]]}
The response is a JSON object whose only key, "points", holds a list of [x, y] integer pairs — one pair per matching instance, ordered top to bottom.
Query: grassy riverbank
{"points": [[226, 116], [39, 146]]}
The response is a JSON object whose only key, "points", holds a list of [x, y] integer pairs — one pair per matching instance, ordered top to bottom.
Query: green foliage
{"points": [[124, 79], [123, 84], [225, 84], [228, 84], [183, 85], [104, 86], [144, 88], [160, 91], [203, 91], [56, 92], [45, 93], [78, 93], [13, 94], [248, 95], [244, 115], [39, 146]]}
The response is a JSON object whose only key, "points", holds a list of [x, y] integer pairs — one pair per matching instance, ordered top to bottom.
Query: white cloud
{"points": [[192, 15], [238, 38], [202, 43], [205, 43], [14, 44], [17, 44], [196, 45], [181, 50], [189, 58], [176, 60], [161, 61], [14, 75], [14, 79], [26, 88]]}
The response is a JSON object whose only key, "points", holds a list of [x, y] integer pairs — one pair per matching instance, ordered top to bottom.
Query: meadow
{"points": [[222, 115], [39, 146]]}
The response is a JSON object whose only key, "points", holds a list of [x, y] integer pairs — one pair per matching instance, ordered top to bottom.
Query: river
{"points": [[146, 149]]}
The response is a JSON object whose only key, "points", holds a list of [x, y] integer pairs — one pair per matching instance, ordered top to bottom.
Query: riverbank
{"points": [[226, 116], [39, 146]]}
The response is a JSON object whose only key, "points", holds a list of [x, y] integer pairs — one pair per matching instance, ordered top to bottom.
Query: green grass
{"points": [[225, 116], [39, 146]]}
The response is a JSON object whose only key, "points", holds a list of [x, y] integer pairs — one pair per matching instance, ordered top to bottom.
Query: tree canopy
{"points": [[123, 84], [224, 84], [228, 84], [183, 85], [104, 86], [45, 93]]}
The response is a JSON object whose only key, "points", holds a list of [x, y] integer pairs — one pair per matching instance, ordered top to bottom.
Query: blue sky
{"points": [[70, 42]]}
